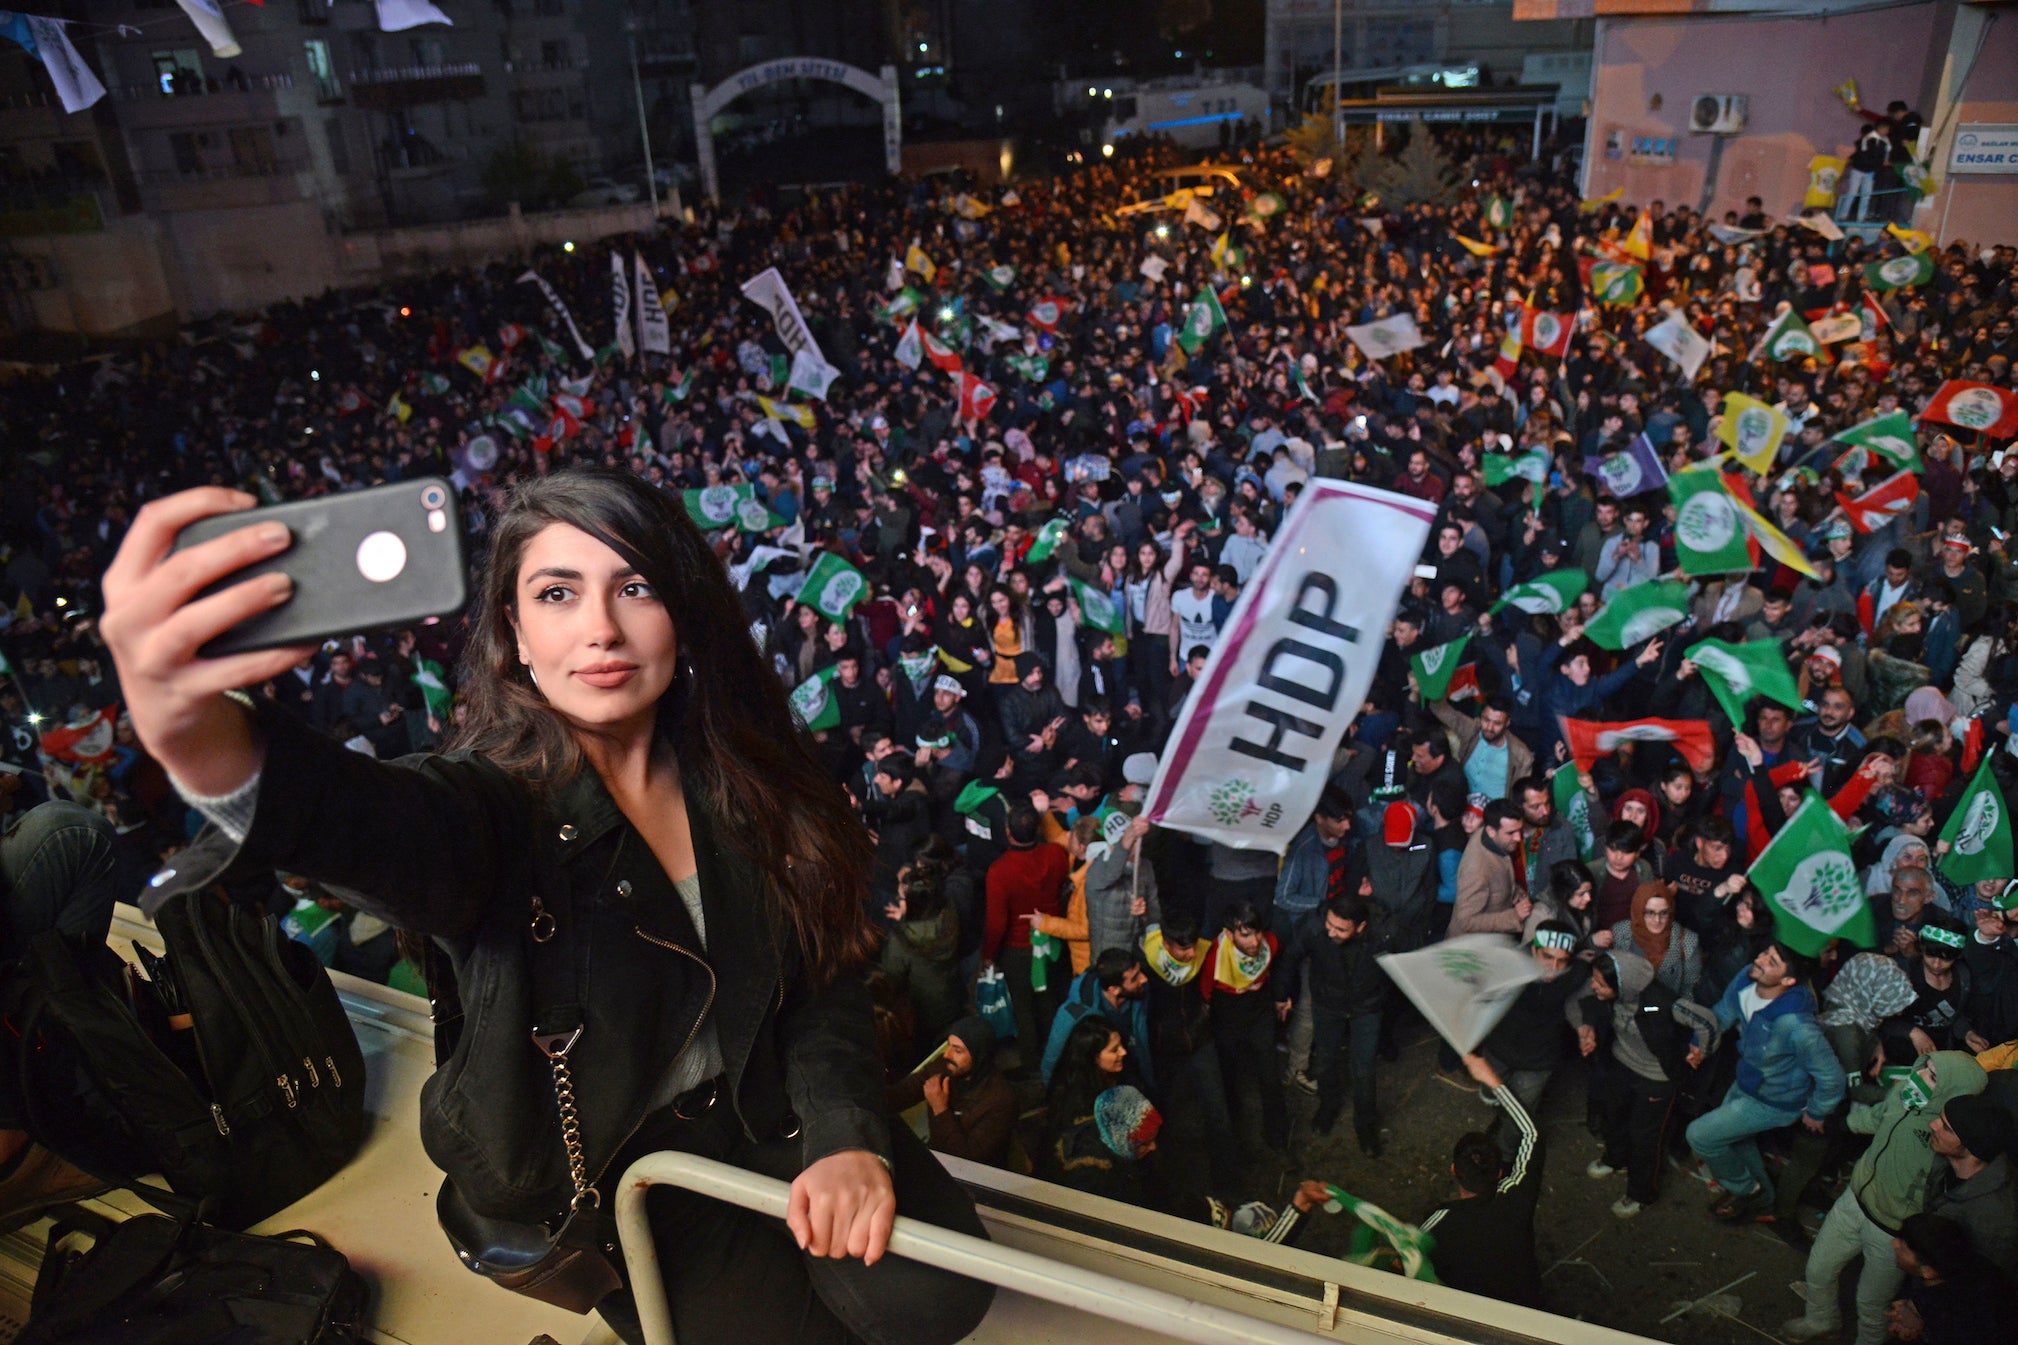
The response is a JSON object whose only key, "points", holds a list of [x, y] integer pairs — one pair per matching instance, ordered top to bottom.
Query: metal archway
{"points": [[881, 87]]}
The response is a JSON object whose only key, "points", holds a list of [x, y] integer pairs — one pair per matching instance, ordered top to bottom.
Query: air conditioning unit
{"points": [[1717, 114]]}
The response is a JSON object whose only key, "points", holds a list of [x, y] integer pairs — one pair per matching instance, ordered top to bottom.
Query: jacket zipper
{"points": [[705, 1008], [247, 1019]]}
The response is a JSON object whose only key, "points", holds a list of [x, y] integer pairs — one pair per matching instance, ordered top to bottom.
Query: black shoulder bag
{"points": [[565, 1267]]}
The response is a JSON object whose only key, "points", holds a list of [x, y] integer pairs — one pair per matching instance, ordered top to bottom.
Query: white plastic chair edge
{"points": [[1025, 1272]]}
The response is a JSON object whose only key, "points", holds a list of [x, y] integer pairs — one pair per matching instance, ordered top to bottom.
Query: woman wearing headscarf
{"points": [[1670, 947]]}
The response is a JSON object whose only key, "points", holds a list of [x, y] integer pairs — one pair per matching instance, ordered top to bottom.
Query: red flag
{"points": [[1048, 312], [1547, 333], [510, 334], [940, 354], [1509, 358], [977, 399], [349, 402], [1975, 406], [562, 426], [1881, 503], [1867, 612], [1463, 683], [1972, 736], [1588, 739], [84, 742]]}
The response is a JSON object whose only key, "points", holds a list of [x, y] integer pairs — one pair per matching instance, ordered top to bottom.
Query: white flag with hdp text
{"points": [[766, 290], [620, 297], [655, 334], [1252, 748]]}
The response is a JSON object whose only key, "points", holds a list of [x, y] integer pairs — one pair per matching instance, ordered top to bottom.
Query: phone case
{"points": [[337, 538]]}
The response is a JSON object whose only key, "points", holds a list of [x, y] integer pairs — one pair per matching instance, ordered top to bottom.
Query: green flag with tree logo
{"points": [[833, 587], [1639, 613], [1434, 668], [1735, 673], [815, 703], [1977, 838], [1810, 883]]}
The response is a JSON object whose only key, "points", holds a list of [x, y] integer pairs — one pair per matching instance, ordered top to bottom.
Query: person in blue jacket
{"points": [[1567, 689], [1116, 985], [1786, 1073]]}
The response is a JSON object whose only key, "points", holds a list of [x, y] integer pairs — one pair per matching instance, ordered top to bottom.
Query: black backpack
{"points": [[230, 1069]]}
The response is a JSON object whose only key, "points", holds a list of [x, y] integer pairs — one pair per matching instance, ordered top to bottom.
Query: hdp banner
{"points": [[766, 290], [559, 305], [655, 333], [1253, 746]]}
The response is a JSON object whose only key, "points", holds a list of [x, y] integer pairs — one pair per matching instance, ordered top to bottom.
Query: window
{"points": [[427, 51], [554, 55], [179, 71], [321, 72], [339, 148], [252, 152], [188, 158]]}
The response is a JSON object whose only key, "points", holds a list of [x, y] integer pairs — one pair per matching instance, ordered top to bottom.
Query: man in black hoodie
{"points": [[1348, 991]]}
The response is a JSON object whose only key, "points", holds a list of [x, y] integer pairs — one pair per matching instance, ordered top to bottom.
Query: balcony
{"points": [[388, 87], [211, 103], [227, 185]]}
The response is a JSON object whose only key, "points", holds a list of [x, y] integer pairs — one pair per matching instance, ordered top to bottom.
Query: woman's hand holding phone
{"points": [[154, 623]]}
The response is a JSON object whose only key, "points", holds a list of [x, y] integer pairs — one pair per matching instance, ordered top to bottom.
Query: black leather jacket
{"points": [[453, 847]]}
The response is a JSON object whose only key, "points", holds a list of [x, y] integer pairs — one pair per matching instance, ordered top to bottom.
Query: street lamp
{"points": [[644, 127]]}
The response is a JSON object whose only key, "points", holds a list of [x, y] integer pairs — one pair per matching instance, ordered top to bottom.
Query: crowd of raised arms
{"points": [[1046, 575]]}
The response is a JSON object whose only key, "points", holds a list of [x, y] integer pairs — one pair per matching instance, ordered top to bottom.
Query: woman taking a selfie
{"points": [[652, 899]]}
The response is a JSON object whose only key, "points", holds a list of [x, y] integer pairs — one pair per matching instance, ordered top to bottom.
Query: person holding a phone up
{"points": [[652, 900]]}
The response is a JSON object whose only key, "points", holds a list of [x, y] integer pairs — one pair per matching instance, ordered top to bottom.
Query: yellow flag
{"points": [[1847, 91], [1824, 172], [1597, 203], [1914, 241], [1640, 242], [1476, 248], [916, 260], [477, 359], [399, 409], [801, 416], [1753, 430], [1774, 542], [24, 610]]}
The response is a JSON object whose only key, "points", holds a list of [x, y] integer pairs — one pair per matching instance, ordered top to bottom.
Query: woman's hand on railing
{"points": [[843, 1205]]}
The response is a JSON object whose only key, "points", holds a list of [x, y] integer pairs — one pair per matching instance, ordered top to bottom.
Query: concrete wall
{"points": [[1787, 67], [1982, 208], [143, 271], [113, 283]]}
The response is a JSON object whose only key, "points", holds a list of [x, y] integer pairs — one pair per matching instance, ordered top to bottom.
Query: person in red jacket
{"points": [[1025, 882], [1243, 1018]]}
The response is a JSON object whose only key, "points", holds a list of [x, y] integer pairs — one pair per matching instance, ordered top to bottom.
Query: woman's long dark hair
{"points": [[739, 747], [1077, 1078]]}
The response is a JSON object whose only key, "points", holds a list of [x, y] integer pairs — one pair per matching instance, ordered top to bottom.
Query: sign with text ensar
{"points": [[1985, 147], [1253, 746]]}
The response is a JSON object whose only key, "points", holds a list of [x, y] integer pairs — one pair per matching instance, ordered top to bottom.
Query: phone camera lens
{"points": [[432, 498]]}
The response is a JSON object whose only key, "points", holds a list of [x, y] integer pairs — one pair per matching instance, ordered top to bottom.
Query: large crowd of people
{"points": [[1064, 987]]}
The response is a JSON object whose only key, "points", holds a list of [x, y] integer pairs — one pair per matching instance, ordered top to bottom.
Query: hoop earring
{"points": [[534, 676]]}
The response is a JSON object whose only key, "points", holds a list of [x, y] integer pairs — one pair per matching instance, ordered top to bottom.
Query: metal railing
{"points": [[408, 74], [1039, 1277]]}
